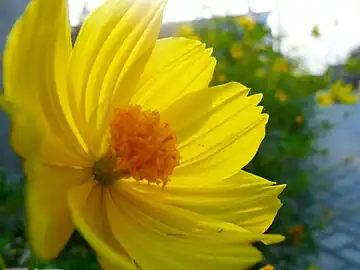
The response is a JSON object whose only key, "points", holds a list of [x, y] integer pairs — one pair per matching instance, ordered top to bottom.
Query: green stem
{"points": [[2, 263], [32, 263]]}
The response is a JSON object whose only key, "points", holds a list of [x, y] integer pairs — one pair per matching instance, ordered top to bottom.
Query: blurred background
{"points": [[304, 56]]}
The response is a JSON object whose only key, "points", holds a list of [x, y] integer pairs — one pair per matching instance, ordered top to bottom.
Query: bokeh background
{"points": [[304, 56]]}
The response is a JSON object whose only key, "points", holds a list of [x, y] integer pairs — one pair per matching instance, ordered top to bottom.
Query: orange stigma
{"points": [[142, 146]]}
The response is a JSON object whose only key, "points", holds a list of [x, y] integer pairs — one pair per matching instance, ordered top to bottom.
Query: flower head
{"points": [[246, 22], [237, 51], [280, 65], [342, 93], [324, 98], [124, 141], [268, 267]]}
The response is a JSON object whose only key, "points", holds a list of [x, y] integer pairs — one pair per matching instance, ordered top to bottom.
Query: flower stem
{"points": [[2, 263], [32, 263]]}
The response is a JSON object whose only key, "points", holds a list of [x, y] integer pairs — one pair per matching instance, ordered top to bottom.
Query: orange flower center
{"points": [[141, 146]]}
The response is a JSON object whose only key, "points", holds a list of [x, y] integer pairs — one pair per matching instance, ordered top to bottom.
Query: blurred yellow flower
{"points": [[246, 22], [185, 30], [237, 51], [280, 65], [260, 73], [222, 78], [342, 93], [280, 95], [324, 98], [299, 119], [114, 148], [267, 267], [313, 267]]}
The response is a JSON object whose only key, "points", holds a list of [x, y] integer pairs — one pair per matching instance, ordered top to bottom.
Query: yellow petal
{"points": [[109, 57], [36, 58], [177, 67], [219, 131], [32, 138], [244, 199], [89, 213], [48, 217], [159, 236]]}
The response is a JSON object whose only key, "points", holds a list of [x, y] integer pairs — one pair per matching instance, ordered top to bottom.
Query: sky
{"points": [[295, 19]]}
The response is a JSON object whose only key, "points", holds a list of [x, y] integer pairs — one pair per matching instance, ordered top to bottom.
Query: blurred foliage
{"points": [[315, 32], [245, 54]]}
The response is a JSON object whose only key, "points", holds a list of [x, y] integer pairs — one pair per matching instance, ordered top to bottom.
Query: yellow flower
{"points": [[246, 22], [185, 30], [237, 51], [280, 65], [343, 93], [280, 95], [324, 98], [124, 141], [267, 267], [313, 267]]}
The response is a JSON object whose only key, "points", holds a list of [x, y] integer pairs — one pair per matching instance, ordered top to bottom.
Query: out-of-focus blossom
{"points": [[246, 22], [237, 51], [280, 65], [342, 93], [324, 98], [267, 267]]}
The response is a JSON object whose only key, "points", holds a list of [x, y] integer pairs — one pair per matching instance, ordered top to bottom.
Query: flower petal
{"points": [[109, 57], [36, 58], [176, 67], [220, 135], [32, 138], [243, 199], [89, 213], [49, 222], [159, 236]]}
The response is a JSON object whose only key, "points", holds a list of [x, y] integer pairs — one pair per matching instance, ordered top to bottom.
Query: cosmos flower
{"points": [[247, 22], [237, 51], [343, 93], [324, 98], [123, 140]]}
